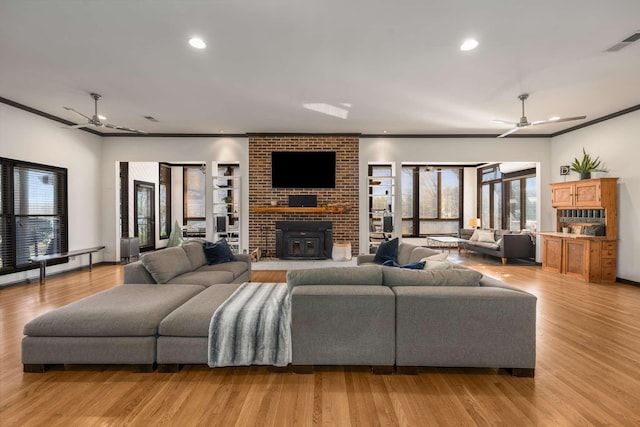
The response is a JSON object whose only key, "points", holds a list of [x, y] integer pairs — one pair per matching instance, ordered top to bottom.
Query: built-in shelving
{"points": [[226, 209]]}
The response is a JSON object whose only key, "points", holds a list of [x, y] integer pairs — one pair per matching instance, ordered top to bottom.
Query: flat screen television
{"points": [[303, 169]]}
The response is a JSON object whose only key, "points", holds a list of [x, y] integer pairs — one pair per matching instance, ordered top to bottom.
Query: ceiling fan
{"points": [[95, 119], [524, 123]]}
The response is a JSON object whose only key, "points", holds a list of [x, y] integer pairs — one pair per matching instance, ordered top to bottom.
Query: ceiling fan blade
{"points": [[77, 112], [568, 119], [504, 122], [77, 126], [110, 126], [509, 132]]}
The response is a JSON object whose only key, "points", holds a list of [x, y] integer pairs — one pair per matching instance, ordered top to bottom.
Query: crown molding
{"points": [[276, 134]]}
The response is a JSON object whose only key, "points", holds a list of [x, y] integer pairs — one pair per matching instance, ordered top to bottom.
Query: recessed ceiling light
{"points": [[197, 42], [469, 44], [554, 118]]}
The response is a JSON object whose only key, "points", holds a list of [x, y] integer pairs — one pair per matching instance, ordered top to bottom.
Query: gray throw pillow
{"points": [[165, 264], [452, 277]]}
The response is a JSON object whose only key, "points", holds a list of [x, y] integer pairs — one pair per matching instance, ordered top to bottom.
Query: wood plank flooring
{"points": [[587, 373]]}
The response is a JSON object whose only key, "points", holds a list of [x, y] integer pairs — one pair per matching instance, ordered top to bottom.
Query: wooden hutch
{"points": [[584, 206]]}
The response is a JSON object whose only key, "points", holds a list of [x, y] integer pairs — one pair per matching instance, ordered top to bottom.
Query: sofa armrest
{"points": [[517, 246], [365, 259], [136, 273]]}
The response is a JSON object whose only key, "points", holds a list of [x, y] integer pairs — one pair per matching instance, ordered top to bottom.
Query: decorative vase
{"points": [[585, 175]]}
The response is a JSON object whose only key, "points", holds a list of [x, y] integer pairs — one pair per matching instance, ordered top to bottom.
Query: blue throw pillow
{"points": [[387, 251], [218, 252], [416, 265]]}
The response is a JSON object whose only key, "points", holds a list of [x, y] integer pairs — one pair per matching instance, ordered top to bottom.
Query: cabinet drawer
{"points": [[608, 246], [608, 253], [608, 263], [608, 274]]}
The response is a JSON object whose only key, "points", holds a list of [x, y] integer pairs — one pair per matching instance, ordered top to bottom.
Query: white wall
{"points": [[28, 137], [617, 142], [172, 150], [457, 150]]}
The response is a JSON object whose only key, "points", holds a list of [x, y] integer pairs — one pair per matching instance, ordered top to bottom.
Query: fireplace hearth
{"points": [[304, 239]]}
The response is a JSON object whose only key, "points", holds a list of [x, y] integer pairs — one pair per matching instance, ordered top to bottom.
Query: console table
{"points": [[44, 258]]}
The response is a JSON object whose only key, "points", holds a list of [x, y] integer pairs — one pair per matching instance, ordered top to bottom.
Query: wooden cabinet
{"points": [[587, 193], [552, 254], [589, 258]]}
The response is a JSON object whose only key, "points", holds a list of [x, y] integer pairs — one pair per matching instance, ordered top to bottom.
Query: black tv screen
{"points": [[303, 169]]}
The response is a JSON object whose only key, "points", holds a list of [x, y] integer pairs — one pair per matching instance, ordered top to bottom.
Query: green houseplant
{"points": [[587, 165]]}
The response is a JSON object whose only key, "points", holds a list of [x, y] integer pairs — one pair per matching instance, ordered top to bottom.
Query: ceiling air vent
{"points": [[624, 43], [151, 119]]}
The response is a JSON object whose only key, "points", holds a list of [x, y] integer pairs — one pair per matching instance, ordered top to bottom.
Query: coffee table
{"points": [[447, 242]]}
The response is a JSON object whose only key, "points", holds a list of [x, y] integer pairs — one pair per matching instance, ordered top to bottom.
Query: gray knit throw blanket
{"points": [[252, 327]]}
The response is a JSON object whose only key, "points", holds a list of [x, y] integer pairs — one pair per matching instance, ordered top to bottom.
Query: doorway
{"points": [[144, 214]]}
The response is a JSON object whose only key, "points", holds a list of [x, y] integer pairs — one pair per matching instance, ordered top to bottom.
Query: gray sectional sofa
{"points": [[186, 264], [366, 315], [386, 316]]}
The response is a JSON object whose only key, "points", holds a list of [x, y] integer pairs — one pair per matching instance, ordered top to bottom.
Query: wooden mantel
{"points": [[285, 209]]}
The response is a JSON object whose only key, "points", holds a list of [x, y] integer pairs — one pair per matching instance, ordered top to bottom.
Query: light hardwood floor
{"points": [[587, 373]]}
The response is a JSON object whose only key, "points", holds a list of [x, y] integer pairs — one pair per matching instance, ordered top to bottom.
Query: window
{"points": [[435, 194], [490, 197], [194, 199], [165, 200], [507, 201], [522, 206], [33, 213]]}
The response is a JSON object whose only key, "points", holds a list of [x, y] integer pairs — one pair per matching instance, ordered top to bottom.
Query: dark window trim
{"points": [[164, 165], [152, 185], [124, 199], [8, 201], [186, 218], [416, 220]]}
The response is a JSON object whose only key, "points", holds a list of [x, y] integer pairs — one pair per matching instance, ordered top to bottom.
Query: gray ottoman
{"points": [[117, 326], [184, 334]]}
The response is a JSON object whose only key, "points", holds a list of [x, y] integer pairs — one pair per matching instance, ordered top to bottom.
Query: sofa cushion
{"points": [[475, 236], [493, 245], [387, 251], [218, 252], [195, 253], [417, 254], [442, 256], [166, 264], [238, 268], [363, 275], [452, 277], [203, 278], [123, 311], [192, 318]]}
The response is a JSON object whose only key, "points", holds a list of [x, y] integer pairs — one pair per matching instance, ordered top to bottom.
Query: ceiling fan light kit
{"points": [[96, 119], [525, 123]]}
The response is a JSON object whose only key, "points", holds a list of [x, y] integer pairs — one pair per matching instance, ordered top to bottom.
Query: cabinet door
{"points": [[587, 193], [561, 195], [552, 254], [576, 258]]}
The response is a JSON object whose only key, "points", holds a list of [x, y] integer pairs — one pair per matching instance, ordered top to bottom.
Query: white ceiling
{"points": [[397, 63]]}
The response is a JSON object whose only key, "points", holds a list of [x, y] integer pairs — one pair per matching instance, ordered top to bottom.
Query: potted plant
{"points": [[587, 165]]}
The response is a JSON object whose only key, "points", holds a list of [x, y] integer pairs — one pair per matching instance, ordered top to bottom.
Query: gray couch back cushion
{"points": [[195, 253], [166, 264], [363, 275], [455, 277]]}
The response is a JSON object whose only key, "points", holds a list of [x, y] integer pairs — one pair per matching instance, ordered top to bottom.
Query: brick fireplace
{"points": [[262, 225]]}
